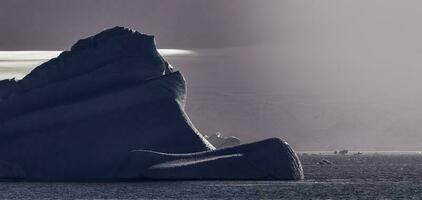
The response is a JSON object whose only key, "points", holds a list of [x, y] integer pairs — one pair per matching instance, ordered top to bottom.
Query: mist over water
{"points": [[323, 75], [250, 98]]}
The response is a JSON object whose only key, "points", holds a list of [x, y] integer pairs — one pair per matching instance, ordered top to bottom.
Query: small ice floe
{"points": [[343, 152], [325, 162]]}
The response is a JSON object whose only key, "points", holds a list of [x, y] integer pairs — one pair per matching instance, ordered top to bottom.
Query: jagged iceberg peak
{"points": [[118, 37], [130, 50]]}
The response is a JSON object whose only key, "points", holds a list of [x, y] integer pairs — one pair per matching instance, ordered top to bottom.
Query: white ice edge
{"points": [[192, 161]]}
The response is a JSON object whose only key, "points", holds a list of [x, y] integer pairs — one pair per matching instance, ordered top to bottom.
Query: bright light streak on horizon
{"points": [[46, 55], [16, 64]]}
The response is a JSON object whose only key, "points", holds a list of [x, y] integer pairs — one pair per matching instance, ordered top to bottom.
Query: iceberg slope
{"points": [[270, 159]]}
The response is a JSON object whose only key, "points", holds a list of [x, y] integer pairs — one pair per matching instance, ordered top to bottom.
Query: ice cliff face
{"points": [[113, 108]]}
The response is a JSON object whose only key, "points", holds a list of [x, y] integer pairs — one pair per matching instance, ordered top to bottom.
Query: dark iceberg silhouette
{"points": [[112, 108]]}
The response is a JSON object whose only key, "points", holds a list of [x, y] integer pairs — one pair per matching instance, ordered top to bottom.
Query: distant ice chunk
{"points": [[219, 141]]}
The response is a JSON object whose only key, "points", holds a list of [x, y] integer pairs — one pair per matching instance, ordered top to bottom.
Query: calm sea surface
{"points": [[367, 176]]}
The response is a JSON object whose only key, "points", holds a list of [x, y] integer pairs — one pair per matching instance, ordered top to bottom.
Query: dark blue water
{"points": [[367, 176]]}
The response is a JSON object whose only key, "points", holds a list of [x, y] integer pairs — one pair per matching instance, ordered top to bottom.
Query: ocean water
{"points": [[366, 176]]}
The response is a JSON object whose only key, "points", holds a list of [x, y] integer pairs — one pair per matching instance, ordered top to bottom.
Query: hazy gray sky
{"points": [[54, 24], [322, 74]]}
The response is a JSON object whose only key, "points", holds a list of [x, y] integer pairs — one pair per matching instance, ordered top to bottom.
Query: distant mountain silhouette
{"points": [[112, 108]]}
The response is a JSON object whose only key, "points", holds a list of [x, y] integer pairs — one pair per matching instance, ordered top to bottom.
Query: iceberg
{"points": [[111, 108], [219, 141]]}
